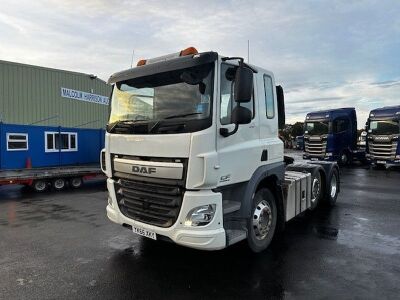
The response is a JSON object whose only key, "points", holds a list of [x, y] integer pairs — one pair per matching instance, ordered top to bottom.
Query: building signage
{"points": [[83, 96]]}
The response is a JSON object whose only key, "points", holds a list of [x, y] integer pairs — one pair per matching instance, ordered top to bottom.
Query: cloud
{"points": [[324, 54]]}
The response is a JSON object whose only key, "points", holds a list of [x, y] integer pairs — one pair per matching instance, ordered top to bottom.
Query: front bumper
{"points": [[209, 237]]}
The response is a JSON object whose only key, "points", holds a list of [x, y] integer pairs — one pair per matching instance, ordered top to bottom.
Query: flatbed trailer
{"points": [[41, 179]]}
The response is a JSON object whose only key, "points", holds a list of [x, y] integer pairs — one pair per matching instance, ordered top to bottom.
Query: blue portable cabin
{"points": [[383, 134], [332, 135], [23, 146]]}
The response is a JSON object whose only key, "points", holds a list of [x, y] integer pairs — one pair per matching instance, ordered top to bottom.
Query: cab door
{"points": [[268, 115], [238, 154]]}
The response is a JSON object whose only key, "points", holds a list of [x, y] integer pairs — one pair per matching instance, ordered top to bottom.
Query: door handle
{"points": [[252, 125]]}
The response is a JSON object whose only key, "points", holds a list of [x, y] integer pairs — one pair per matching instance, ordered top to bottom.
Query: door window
{"points": [[227, 88], [269, 97]]}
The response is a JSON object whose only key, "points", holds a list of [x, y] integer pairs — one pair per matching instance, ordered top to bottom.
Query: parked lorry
{"points": [[383, 133], [331, 135], [300, 142], [193, 155], [44, 157]]}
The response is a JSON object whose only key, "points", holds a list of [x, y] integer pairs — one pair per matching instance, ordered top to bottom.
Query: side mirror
{"points": [[243, 84], [241, 115]]}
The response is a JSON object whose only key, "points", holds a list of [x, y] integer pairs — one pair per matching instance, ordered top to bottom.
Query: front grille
{"points": [[315, 148], [383, 150], [155, 204]]}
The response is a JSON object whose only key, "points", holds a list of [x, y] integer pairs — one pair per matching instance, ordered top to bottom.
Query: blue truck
{"points": [[383, 133], [332, 135]]}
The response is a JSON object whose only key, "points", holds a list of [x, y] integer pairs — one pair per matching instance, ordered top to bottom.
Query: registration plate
{"points": [[381, 162], [144, 232]]}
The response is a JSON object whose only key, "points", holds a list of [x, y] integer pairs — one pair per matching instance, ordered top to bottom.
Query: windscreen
{"points": [[179, 94], [386, 127], [316, 128]]}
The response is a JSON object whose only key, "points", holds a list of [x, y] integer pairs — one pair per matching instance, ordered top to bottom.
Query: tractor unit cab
{"points": [[383, 133], [331, 135], [193, 155]]}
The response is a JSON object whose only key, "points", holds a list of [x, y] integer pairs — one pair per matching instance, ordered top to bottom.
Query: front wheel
{"points": [[344, 159], [262, 222]]}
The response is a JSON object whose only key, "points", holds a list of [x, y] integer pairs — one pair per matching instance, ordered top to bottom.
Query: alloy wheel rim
{"points": [[59, 183], [40, 185], [316, 186], [333, 186], [262, 220]]}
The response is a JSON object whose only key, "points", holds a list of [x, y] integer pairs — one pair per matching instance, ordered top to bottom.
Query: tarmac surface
{"points": [[61, 245]]}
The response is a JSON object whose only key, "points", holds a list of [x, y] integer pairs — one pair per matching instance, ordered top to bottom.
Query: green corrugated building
{"points": [[34, 95]]}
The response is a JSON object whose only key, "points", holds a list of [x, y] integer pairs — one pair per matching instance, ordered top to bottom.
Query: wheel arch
{"points": [[269, 176]]}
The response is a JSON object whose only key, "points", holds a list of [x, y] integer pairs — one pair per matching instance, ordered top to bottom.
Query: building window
{"points": [[227, 88], [269, 97], [17, 141], [64, 141]]}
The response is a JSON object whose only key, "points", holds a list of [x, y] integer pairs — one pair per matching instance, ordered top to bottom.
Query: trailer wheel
{"points": [[76, 182], [59, 184], [39, 186], [333, 188], [262, 222]]}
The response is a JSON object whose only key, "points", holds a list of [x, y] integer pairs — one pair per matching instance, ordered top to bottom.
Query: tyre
{"points": [[344, 159], [76, 182], [59, 184], [39, 186], [333, 188], [317, 189], [263, 219]]}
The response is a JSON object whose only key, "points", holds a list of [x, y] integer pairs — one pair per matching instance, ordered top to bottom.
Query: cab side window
{"points": [[269, 97], [227, 98], [340, 125]]}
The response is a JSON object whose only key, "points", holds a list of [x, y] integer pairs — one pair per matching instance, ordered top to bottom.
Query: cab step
{"points": [[230, 206], [235, 235]]}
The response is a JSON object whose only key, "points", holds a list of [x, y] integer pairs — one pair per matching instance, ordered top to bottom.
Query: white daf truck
{"points": [[193, 154]]}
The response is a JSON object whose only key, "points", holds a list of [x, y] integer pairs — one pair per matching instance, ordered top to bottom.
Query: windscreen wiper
{"points": [[117, 123], [157, 124]]}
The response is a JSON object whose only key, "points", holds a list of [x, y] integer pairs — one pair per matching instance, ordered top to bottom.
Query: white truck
{"points": [[193, 156]]}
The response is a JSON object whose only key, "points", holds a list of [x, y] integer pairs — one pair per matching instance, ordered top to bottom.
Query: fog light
{"points": [[200, 216]]}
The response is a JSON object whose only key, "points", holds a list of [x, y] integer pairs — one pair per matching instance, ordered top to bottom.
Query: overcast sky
{"points": [[325, 54]]}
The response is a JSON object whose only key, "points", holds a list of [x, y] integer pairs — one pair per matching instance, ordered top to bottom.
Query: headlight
{"points": [[328, 154], [397, 156], [110, 201], [200, 216]]}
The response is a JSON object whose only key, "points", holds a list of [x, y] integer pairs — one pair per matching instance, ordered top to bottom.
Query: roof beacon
{"points": [[184, 52]]}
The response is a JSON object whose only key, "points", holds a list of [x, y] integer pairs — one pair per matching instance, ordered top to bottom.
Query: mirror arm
{"points": [[241, 62], [225, 132]]}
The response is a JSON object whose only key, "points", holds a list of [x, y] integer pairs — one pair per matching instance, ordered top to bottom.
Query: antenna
{"points": [[248, 51], [133, 53]]}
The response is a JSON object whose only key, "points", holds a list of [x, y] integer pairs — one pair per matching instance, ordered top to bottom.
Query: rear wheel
{"points": [[76, 182], [59, 184], [39, 186], [333, 188], [316, 189], [262, 222]]}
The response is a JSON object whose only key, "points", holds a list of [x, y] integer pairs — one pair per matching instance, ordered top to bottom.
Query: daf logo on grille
{"points": [[143, 170]]}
